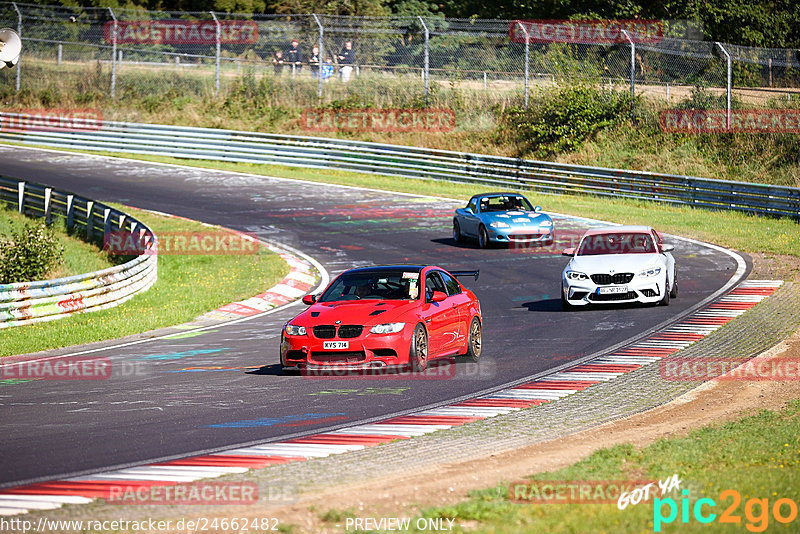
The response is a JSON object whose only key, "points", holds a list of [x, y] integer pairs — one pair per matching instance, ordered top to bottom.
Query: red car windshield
{"points": [[617, 243], [374, 285]]}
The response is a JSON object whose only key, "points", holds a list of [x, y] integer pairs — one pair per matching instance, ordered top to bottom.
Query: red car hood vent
{"points": [[356, 312]]}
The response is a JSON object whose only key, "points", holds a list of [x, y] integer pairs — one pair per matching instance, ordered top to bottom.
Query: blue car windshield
{"points": [[505, 203], [617, 243], [395, 284]]}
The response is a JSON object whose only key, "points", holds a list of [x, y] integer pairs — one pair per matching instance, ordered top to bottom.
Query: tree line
{"points": [[761, 23]]}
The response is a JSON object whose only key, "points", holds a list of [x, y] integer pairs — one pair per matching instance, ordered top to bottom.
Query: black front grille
{"points": [[606, 279], [649, 293], [630, 295], [350, 330], [327, 331], [385, 353], [295, 355], [338, 357]]}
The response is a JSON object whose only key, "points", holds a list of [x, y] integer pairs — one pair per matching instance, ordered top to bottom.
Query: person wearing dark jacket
{"points": [[294, 56], [347, 57], [313, 62]]}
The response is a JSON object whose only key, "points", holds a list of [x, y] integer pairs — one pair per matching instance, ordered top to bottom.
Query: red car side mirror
{"points": [[438, 296], [309, 299]]}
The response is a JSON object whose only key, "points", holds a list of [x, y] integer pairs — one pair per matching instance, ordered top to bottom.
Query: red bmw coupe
{"points": [[396, 315]]}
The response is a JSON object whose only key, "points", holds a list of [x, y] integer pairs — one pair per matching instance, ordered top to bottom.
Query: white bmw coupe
{"points": [[619, 264]]}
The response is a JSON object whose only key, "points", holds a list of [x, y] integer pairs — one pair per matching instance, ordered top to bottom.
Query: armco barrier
{"points": [[409, 162], [46, 300]]}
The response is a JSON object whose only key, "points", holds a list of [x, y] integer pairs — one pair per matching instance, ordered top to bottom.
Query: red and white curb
{"points": [[50, 495]]}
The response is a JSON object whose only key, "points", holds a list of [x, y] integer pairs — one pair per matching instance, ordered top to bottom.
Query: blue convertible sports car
{"points": [[502, 218]]}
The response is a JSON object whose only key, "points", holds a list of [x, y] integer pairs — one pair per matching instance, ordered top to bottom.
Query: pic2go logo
{"points": [[756, 511]]}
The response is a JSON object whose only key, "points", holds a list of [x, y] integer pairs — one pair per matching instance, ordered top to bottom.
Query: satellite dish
{"points": [[10, 48]]}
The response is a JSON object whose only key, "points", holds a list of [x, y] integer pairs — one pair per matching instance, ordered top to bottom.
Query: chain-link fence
{"points": [[157, 54]]}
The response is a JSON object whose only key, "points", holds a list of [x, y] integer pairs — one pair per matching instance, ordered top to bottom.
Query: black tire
{"points": [[457, 236], [483, 237], [673, 294], [665, 300], [565, 305], [474, 341], [418, 355]]}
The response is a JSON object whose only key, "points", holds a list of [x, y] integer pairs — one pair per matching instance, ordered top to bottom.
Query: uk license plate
{"points": [[613, 290], [335, 345]]}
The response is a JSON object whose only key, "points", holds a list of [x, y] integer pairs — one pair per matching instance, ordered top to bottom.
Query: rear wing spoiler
{"points": [[459, 274]]}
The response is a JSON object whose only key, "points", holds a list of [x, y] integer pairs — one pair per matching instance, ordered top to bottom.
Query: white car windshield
{"points": [[617, 243]]}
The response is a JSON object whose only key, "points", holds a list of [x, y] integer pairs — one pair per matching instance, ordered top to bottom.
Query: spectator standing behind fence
{"points": [[294, 56], [346, 59], [278, 62], [313, 62], [327, 69]]}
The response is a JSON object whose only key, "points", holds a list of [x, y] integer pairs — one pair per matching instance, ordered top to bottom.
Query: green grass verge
{"points": [[747, 233], [79, 256], [187, 286], [739, 456]]}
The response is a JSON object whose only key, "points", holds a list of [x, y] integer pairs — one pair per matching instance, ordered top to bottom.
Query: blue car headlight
{"points": [[499, 224]]}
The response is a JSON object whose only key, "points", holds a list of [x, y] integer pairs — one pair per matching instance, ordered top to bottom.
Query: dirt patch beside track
{"points": [[401, 496]]}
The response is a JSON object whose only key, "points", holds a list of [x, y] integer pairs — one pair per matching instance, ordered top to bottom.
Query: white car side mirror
{"points": [[667, 248]]}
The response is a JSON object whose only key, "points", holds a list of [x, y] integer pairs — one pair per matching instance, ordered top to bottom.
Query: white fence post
{"points": [[19, 32], [321, 55], [527, 58], [633, 67], [427, 71], [728, 87], [48, 192], [21, 196], [70, 211], [89, 219]]}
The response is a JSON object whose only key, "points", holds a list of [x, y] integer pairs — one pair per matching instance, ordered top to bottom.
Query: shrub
{"points": [[562, 120], [28, 253]]}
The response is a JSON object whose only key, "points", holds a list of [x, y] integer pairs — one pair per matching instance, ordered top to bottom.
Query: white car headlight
{"points": [[546, 223], [499, 224], [653, 271], [575, 275], [387, 328], [293, 330]]}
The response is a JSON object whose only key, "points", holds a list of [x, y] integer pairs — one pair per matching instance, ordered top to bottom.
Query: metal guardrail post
{"points": [[19, 32], [218, 39], [113, 53], [321, 55], [427, 57], [527, 58], [633, 67], [728, 87], [89, 219]]}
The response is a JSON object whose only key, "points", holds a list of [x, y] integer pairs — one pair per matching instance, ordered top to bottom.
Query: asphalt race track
{"points": [[157, 410]]}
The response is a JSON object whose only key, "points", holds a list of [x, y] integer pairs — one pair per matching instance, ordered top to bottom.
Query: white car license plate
{"points": [[521, 220], [613, 290], [328, 345]]}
